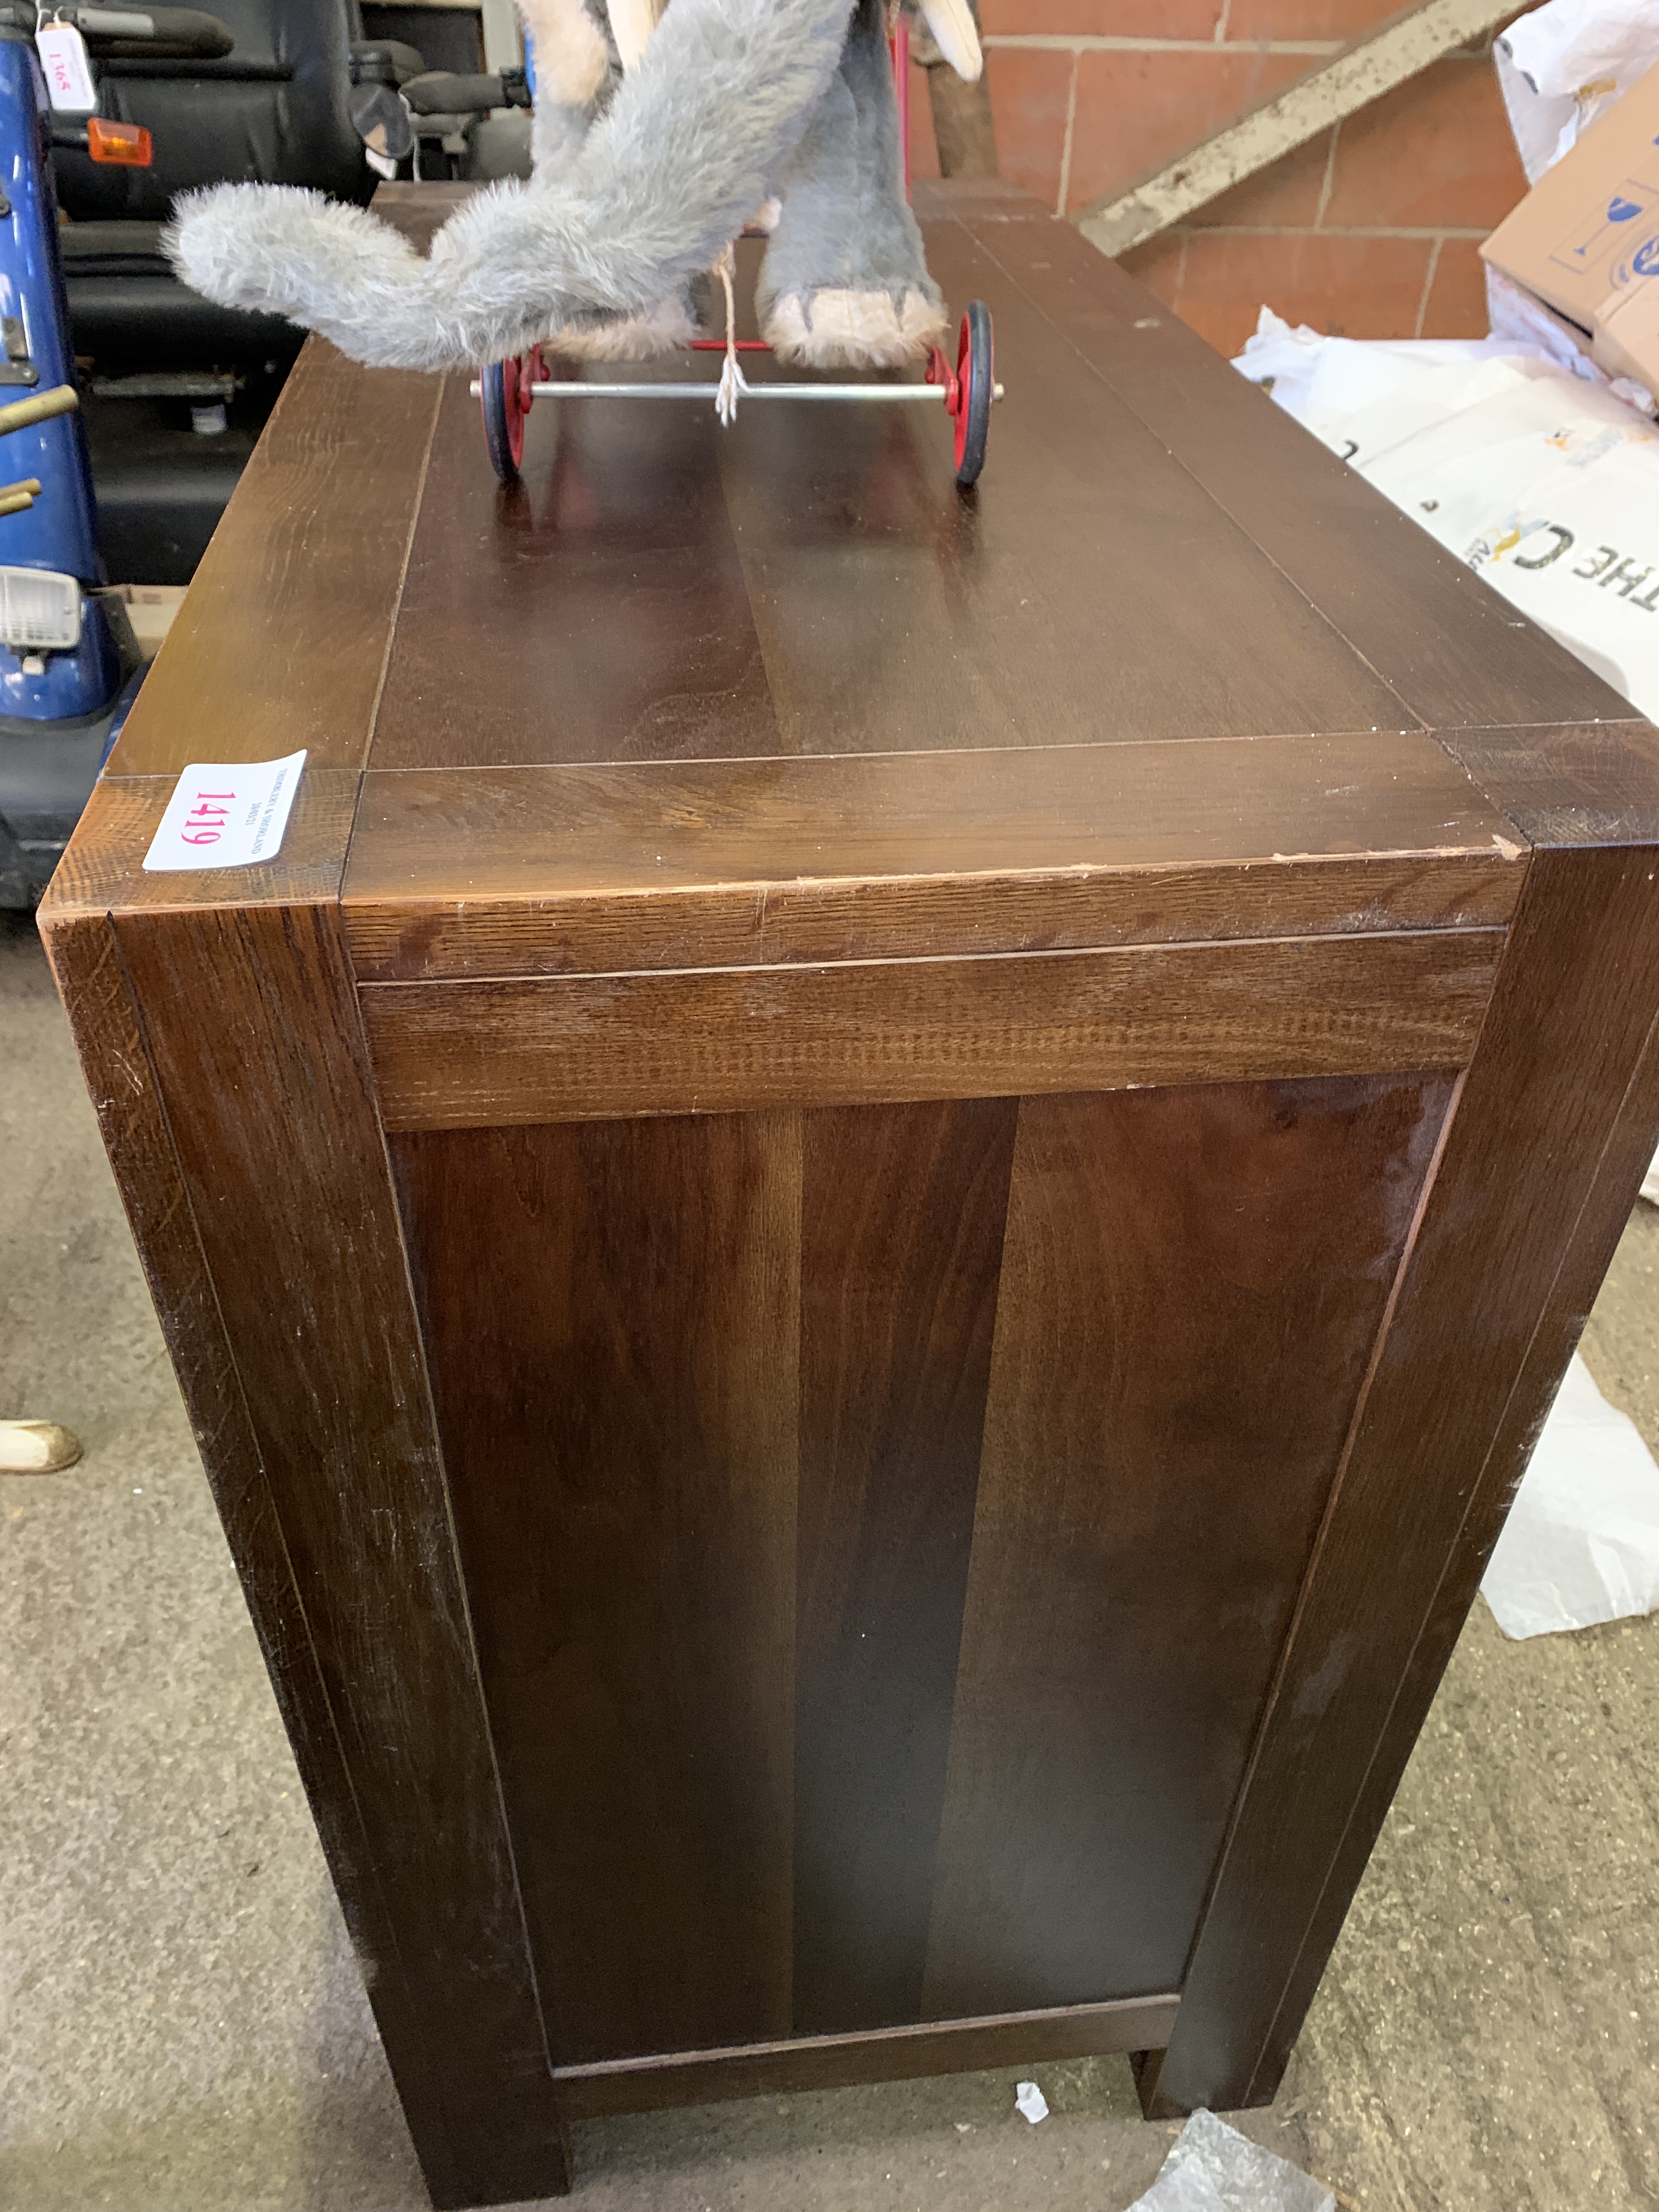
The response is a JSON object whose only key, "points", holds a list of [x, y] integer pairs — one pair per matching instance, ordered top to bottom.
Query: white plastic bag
{"points": [[1566, 64], [1547, 483], [1550, 490], [1582, 1541], [1213, 2168]]}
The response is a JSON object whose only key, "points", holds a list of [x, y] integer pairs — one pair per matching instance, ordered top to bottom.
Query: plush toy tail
{"points": [[682, 158]]}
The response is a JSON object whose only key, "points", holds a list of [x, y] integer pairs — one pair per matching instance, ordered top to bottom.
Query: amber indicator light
{"points": [[126, 143]]}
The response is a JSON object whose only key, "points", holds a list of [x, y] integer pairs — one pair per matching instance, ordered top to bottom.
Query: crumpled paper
{"points": [[1564, 64], [1030, 2100], [1213, 2168]]}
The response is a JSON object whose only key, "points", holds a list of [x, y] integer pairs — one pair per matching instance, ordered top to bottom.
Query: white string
{"points": [[733, 384]]}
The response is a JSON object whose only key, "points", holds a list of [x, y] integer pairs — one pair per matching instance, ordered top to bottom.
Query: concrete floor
{"points": [[181, 2025]]}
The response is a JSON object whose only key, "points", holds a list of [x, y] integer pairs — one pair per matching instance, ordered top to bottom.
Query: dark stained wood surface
{"points": [[810, 582], [596, 612], [281, 640], [1450, 648], [1589, 784], [733, 864], [103, 873], [457, 1055], [1563, 1072], [1625, 1155], [1522, 1186], [903, 1210], [1192, 1283], [723, 1419], [623, 1464], [327, 1471], [798, 1499], [327, 1746], [831, 2062]]}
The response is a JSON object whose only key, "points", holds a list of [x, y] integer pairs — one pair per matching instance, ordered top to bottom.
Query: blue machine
{"points": [[61, 704]]}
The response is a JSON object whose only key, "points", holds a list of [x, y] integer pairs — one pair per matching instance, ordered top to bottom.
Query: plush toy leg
{"points": [[578, 66], [573, 79], [689, 146], [844, 282], [668, 325]]}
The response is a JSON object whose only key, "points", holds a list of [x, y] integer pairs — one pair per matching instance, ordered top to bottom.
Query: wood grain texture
{"points": [[418, 209], [810, 582], [600, 611], [892, 614], [281, 640], [1447, 646], [1596, 784], [102, 871], [546, 871], [90, 975], [250, 1026], [458, 1055], [902, 1210], [1594, 1238], [1192, 1284], [613, 1318], [1471, 1356], [930, 1521], [833, 2062]]}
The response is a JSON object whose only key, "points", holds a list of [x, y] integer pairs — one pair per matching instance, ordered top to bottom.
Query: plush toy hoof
{"points": [[667, 327], [854, 329]]}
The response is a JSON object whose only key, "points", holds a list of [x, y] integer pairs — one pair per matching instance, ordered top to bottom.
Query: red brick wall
{"points": [[1370, 230]]}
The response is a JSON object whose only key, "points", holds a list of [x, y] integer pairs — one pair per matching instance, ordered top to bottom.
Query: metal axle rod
{"points": [[706, 391]]}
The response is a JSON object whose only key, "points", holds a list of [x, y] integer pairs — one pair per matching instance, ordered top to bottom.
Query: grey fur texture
{"points": [[578, 70], [572, 90], [693, 141], [845, 280]]}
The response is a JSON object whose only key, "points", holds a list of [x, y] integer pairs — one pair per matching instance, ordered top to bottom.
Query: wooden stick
{"points": [[1364, 71], [58, 399], [36, 1448]]}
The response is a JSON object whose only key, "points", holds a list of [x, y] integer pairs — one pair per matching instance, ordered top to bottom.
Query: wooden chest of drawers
{"points": [[867, 1226]]}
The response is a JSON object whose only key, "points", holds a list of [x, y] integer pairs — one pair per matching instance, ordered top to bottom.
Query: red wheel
{"points": [[976, 380], [968, 388], [506, 398]]}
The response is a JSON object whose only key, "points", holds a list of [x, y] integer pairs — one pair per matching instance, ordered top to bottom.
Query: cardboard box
{"points": [[1585, 240]]}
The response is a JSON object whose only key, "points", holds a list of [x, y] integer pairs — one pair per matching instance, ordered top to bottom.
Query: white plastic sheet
{"points": [[1566, 64], [1546, 483], [1582, 1541], [1213, 2168]]}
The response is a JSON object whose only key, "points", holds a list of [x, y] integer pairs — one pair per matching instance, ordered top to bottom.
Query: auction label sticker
{"points": [[64, 64], [224, 816]]}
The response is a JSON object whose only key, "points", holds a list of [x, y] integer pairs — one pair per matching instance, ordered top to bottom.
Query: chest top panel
{"points": [[1168, 630]]}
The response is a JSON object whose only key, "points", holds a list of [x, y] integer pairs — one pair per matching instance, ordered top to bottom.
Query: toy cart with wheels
{"points": [[506, 390]]}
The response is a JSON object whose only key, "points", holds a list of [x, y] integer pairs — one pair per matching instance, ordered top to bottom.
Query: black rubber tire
{"points": [[979, 382], [492, 396]]}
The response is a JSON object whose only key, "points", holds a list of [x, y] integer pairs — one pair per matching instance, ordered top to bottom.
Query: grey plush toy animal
{"points": [[653, 144]]}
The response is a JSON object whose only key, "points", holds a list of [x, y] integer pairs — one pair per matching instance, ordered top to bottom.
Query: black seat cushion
{"points": [[273, 111], [112, 249], [128, 312]]}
